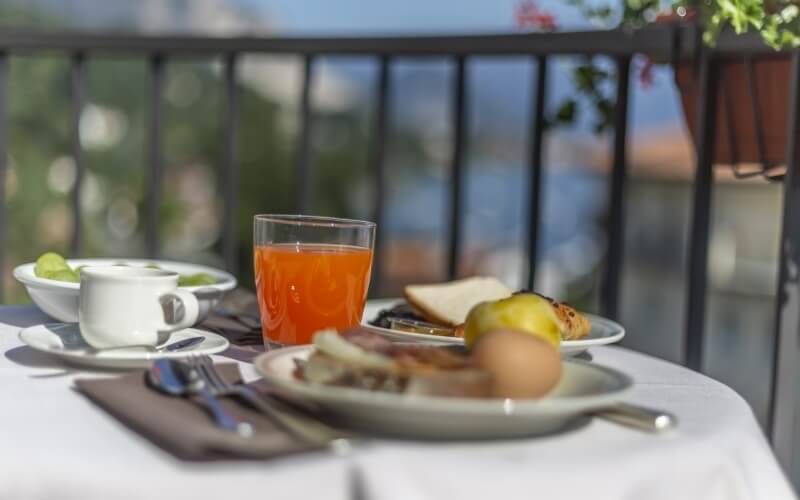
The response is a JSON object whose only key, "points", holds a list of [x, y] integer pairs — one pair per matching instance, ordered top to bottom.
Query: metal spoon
{"points": [[176, 379]]}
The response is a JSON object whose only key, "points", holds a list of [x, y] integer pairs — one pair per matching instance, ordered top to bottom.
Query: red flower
{"points": [[528, 15], [646, 76]]}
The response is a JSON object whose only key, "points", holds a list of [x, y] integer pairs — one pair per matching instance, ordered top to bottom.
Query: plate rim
{"points": [[24, 274], [568, 345], [115, 357], [473, 406]]}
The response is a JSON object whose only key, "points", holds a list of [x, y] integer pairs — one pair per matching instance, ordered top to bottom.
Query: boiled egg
{"points": [[522, 365]]}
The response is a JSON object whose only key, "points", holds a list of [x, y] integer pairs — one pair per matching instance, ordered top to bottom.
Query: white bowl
{"points": [[59, 299]]}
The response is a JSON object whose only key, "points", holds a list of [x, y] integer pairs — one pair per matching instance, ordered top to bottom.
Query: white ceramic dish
{"points": [[59, 299], [604, 331], [64, 341], [583, 387]]}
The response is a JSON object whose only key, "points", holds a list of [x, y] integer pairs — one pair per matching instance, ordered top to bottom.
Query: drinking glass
{"points": [[311, 273]]}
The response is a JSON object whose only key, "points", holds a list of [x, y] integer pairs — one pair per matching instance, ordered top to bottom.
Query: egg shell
{"points": [[522, 365]]}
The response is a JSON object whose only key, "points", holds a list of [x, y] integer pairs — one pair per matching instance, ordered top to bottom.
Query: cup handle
{"points": [[191, 309]]}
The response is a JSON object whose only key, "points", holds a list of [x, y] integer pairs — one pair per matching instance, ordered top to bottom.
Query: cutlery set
{"points": [[197, 376], [185, 379]]}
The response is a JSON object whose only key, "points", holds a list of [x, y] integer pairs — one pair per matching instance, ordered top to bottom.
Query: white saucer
{"points": [[603, 332], [64, 341]]}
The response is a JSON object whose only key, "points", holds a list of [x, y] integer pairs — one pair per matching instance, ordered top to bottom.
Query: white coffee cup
{"points": [[121, 305]]}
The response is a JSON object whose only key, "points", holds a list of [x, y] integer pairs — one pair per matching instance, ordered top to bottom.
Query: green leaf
{"points": [[588, 77], [566, 112], [605, 114]]}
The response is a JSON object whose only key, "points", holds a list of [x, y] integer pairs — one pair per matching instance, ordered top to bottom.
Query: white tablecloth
{"points": [[56, 444]]}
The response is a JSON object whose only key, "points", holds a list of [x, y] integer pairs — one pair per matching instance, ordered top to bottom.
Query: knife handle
{"points": [[639, 417], [223, 418], [310, 430]]}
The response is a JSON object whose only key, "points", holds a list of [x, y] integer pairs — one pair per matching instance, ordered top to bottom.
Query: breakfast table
{"points": [[55, 443]]}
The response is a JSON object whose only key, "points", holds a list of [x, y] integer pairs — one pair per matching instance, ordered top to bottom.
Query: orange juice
{"points": [[303, 288]]}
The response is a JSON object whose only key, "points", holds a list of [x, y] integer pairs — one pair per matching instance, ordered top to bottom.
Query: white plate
{"points": [[59, 299], [604, 331], [64, 341], [583, 387]]}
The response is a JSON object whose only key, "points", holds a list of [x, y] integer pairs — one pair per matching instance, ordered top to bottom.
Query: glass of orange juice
{"points": [[311, 273]]}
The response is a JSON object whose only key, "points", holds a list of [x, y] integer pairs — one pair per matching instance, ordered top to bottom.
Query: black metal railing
{"points": [[673, 43]]}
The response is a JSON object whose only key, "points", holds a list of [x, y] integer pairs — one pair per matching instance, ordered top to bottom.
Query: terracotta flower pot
{"points": [[752, 99], [743, 111]]}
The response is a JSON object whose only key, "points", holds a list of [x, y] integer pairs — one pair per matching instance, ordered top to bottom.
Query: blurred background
{"points": [[113, 131]]}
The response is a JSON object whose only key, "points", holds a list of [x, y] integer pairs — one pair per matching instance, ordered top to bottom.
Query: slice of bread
{"points": [[449, 303]]}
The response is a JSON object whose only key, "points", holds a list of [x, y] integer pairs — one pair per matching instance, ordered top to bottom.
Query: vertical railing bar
{"points": [[77, 74], [4, 112], [538, 125], [460, 131], [155, 155], [377, 161], [230, 165], [303, 179], [699, 236], [610, 288], [783, 397]]}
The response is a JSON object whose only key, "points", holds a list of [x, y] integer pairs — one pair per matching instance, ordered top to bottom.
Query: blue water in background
{"points": [[496, 206]]}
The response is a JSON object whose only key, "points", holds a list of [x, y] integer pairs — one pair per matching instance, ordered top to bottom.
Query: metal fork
{"points": [[197, 384], [305, 429]]}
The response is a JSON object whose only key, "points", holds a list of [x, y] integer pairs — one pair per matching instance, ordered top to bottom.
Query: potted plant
{"points": [[753, 93]]}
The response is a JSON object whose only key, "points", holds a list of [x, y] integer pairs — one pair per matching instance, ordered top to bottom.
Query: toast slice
{"points": [[449, 303]]}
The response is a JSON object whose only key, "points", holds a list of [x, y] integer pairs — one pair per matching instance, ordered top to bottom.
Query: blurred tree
{"points": [[114, 130]]}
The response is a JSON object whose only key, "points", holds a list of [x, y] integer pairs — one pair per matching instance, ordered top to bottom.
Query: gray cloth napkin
{"points": [[236, 318], [183, 427]]}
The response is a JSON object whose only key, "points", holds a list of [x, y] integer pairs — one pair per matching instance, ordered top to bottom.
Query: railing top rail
{"points": [[658, 41]]}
